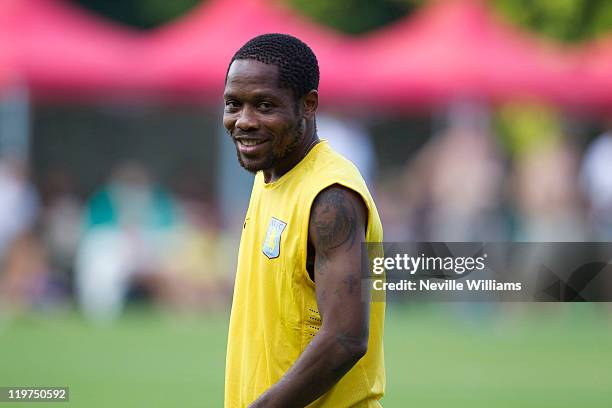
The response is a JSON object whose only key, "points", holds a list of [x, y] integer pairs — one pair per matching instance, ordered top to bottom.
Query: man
{"points": [[301, 331]]}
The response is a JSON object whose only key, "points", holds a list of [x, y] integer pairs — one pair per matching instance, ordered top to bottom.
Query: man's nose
{"points": [[247, 119]]}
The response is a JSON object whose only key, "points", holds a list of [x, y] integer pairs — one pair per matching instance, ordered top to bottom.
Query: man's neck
{"points": [[275, 173]]}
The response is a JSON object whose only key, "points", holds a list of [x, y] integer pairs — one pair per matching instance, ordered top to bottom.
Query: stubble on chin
{"points": [[298, 131], [243, 164], [253, 169]]}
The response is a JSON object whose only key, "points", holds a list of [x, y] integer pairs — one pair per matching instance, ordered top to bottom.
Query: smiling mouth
{"points": [[251, 142]]}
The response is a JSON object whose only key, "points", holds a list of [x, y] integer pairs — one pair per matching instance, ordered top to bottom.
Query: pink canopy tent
{"points": [[450, 49], [456, 49], [64, 53], [188, 59], [594, 68], [8, 73]]}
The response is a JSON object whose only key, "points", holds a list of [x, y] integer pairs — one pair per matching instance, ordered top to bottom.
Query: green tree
{"points": [[140, 13], [350, 16], [354, 16], [565, 20]]}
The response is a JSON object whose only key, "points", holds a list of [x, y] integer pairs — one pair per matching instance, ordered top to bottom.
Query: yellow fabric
{"points": [[274, 311]]}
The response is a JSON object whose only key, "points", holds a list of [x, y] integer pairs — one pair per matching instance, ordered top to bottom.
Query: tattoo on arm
{"points": [[335, 220], [335, 225], [350, 282], [322, 296], [350, 344]]}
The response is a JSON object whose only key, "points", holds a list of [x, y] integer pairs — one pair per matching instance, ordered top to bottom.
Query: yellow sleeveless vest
{"points": [[274, 310]]}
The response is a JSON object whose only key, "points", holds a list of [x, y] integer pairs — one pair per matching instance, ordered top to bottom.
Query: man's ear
{"points": [[310, 103]]}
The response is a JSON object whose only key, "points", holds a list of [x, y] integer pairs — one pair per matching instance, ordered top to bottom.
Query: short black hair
{"points": [[297, 64]]}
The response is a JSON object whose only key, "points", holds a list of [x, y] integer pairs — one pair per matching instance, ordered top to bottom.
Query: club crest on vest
{"points": [[271, 246]]}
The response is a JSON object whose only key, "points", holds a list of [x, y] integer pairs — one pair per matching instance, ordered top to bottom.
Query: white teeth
{"points": [[250, 142]]}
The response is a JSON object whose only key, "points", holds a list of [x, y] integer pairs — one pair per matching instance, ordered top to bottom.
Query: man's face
{"points": [[260, 116]]}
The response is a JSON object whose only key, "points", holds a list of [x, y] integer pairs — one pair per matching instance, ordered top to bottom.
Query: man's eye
{"points": [[231, 105], [264, 106]]}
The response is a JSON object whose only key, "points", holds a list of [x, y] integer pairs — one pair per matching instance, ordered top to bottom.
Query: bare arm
{"points": [[337, 227]]}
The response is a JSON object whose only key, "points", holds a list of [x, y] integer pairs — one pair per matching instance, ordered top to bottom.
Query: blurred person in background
{"points": [[352, 140], [596, 182], [453, 185], [465, 187], [543, 192], [548, 202], [19, 205], [398, 206], [61, 224], [127, 228], [23, 263], [195, 274]]}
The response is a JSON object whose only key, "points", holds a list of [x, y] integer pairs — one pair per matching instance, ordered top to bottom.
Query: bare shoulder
{"points": [[337, 219]]}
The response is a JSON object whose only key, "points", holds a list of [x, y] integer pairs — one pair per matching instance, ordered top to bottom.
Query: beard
{"points": [[277, 154]]}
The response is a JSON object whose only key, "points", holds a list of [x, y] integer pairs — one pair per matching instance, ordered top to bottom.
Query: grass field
{"points": [[437, 356]]}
